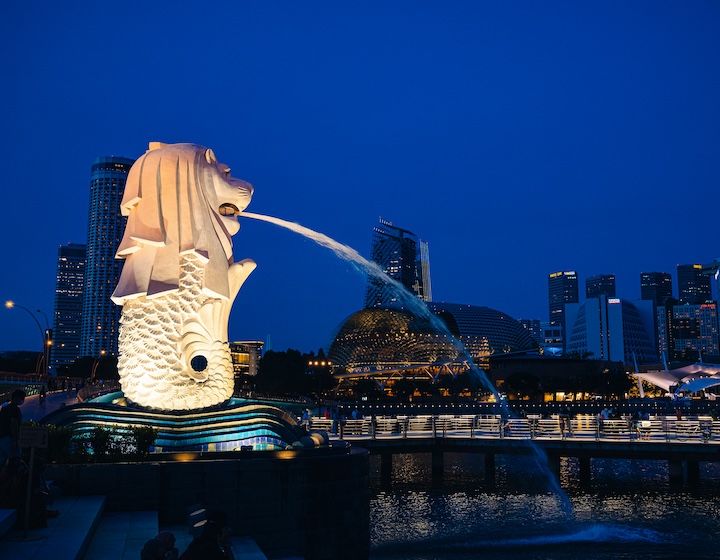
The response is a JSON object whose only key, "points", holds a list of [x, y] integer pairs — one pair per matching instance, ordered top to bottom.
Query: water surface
{"points": [[629, 511]]}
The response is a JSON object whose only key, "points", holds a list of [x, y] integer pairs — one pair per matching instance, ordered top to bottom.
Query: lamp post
{"points": [[45, 336], [47, 341], [96, 363]]}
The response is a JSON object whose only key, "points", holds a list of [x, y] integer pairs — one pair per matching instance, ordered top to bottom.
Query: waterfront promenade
{"points": [[683, 443]]}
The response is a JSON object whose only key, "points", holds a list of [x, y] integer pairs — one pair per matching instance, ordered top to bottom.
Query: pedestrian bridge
{"points": [[582, 427], [683, 443]]}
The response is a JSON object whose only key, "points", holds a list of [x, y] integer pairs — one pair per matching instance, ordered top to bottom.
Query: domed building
{"points": [[484, 331], [387, 342]]}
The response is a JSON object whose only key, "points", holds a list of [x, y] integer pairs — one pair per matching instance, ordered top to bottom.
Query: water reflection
{"points": [[628, 511]]}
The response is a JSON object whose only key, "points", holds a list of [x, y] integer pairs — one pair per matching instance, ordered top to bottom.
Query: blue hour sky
{"points": [[517, 138]]}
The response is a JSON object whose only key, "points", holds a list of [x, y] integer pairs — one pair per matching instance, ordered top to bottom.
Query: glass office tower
{"points": [[404, 258], [600, 285], [656, 286], [694, 287], [562, 289], [67, 315], [101, 317]]}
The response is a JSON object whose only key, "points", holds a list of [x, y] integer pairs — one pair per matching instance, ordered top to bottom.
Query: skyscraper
{"points": [[404, 258], [600, 285], [656, 286], [694, 287], [562, 289], [67, 316], [101, 317], [611, 329], [688, 330]]}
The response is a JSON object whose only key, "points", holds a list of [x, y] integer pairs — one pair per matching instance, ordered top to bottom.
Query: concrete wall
{"points": [[313, 504]]}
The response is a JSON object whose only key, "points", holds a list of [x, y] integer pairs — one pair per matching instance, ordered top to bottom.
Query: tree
{"points": [[20, 362], [104, 367], [283, 373], [293, 373], [614, 381], [523, 384], [367, 388], [403, 388]]}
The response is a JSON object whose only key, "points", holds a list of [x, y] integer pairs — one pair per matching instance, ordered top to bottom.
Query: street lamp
{"points": [[45, 336], [47, 341], [96, 363]]}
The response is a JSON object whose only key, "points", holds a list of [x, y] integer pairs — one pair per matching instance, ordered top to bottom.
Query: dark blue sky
{"points": [[517, 138]]}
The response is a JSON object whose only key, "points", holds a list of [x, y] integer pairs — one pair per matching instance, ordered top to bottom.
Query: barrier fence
{"points": [[581, 427]]}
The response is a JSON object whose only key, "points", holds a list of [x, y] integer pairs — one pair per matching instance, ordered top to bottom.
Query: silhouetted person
{"points": [[10, 420], [565, 420], [214, 542], [161, 547]]}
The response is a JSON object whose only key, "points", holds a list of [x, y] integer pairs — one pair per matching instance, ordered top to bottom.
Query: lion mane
{"points": [[176, 199]]}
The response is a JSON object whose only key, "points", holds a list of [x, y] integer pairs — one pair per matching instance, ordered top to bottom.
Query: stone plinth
{"points": [[309, 503]]}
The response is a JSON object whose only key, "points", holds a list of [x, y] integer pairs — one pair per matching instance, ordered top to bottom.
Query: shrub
{"points": [[144, 438]]}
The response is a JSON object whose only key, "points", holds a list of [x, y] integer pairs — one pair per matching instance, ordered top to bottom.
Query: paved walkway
{"points": [[33, 410], [83, 530], [121, 535], [66, 537]]}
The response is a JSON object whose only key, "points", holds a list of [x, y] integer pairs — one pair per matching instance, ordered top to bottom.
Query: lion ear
{"points": [[155, 145], [210, 156]]}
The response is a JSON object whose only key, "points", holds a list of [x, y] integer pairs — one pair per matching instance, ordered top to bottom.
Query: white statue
{"points": [[179, 281]]}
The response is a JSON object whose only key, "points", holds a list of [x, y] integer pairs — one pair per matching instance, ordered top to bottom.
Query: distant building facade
{"points": [[403, 257], [600, 285], [656, 287], [694, 287], [562, 290], [67, 314], [101, 317], [534, 329], [611, 329], [685, 331], [552, 341], [246, 357]]}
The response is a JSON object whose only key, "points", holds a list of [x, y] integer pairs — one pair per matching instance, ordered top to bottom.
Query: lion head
{"points": [[178, 199]]}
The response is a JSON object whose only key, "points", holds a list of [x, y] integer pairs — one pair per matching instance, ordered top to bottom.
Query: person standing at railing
{"points": [[305, 420], [565, 420]]}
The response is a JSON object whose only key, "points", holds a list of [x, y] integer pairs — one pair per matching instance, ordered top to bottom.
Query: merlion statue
{"points": [[179, 281]]}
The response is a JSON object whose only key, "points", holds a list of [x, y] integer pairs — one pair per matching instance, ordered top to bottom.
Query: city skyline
{"points": [[517, 139]]}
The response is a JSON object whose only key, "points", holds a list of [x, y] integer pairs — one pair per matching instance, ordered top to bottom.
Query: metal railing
{"points": [[581, 427]]}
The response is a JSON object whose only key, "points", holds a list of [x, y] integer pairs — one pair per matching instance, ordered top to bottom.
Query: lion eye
{"points": [[227, 171]]}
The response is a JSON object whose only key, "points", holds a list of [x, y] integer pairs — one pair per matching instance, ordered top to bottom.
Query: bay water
{"points": [[628, 511]]}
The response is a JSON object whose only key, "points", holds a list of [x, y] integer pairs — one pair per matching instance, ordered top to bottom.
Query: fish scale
{"points": [[155, 329]]}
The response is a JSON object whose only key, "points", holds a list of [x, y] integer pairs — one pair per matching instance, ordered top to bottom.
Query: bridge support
{"points": [[438, 463], [386, 465], [490, 468], [675, 468], [585, 476]]}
